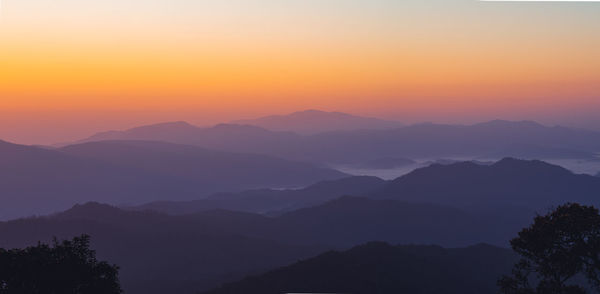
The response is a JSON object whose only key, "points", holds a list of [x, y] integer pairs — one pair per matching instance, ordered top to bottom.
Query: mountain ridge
{"points": [[316, 121], [496, 139], [120, 172], [531, 185], [379, 268]]}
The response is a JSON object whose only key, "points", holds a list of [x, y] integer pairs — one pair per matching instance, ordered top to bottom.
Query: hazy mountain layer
{"points": [[315, 121], [494, 139], [37, 181], [511, 184], [533, 184], [267, 201]]}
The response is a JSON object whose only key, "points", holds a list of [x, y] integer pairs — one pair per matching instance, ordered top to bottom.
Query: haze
{"points": [[71, 68]]}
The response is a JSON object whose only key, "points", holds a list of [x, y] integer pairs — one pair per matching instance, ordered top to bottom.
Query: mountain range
{"points": [[315, 121], [495, 139], [386, 163], [35, 180], [511, 184], [534, 184], [270, 201], [198, 249], [158, 253], [161, 253], [380, 268]]}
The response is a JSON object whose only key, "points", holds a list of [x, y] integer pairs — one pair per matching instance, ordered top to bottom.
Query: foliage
{"points": [[559, 253], [67, 267]]}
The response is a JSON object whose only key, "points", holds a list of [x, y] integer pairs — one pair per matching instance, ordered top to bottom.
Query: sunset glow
{"points": [[128, 62]]}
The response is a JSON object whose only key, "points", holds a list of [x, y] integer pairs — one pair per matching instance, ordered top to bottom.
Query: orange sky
{"points": [[69, 69]]}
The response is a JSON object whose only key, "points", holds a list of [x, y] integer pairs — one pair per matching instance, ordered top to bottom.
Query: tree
{"points": [[559, 254], [67, 267]]}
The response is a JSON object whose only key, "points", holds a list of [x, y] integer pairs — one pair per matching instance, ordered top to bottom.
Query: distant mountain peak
{"points": [[309, 111], [315, 112], [312, 121], [173, 123], [506, 123], [164, 125], [232, 126], [142, 132], [6, 144], [520, 164], [527, 183], [90, 210]]}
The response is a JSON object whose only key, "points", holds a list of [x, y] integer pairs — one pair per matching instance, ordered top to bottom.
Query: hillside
{"points": [[39, 181], [509, 184], [534, 184], [269, 201], [157, 253], [379, 268]]}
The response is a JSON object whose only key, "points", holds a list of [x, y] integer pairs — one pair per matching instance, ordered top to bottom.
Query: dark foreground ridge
{"points": [[380, 268]]}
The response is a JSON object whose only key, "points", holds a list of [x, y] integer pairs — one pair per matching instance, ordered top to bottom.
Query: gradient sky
{"points": [[69, 68]]}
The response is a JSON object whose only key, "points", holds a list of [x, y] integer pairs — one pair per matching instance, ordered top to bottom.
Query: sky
{"points": [[70, 68]]}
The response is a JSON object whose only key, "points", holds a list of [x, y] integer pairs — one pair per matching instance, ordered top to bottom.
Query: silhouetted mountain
{"points": [[315, 121], [171, 131], [223, 137], [497, 139], [431, 140], [538, 152], [444, 161], [386, 163], [214, 170], [598, 174], [37, 181], [509, 184], [534, 184], [503, 196], [271, 201], [349, 221], [158, 253], [379, 268]]}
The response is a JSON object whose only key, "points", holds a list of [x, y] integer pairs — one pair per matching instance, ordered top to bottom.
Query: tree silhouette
{"points": [[559, 253], [67, 267]]}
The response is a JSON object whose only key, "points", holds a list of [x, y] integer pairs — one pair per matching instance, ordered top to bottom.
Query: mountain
{"points": [[314, 121], [171, 131], [222, 137], [496, 139], [438, 141], [539, 152], [386, 163], [216, 171], [598, 174], [37, 181], [509, 184], [533, 184], [265, 201], [349, 221], [159, 253], [380, 268]]}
